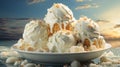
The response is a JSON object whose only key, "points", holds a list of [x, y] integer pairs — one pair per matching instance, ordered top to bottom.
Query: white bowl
{"points": [[61, 57]]}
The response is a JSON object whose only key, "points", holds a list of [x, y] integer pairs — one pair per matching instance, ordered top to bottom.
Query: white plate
{"points": [[61, 57]]}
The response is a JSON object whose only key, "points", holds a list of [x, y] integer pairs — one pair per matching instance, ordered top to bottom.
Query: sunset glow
{"points": [[108, 28]]}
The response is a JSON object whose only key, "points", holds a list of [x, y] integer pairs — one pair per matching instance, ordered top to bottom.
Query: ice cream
{"points": [[60, 16], [87, 27], [90, 28], [61, 32], [89, 33], [36, 34], [61, 41], [22, 45], [77, 49]]}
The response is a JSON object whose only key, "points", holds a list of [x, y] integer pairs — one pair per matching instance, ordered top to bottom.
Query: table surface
{"points": [[116, 51]]}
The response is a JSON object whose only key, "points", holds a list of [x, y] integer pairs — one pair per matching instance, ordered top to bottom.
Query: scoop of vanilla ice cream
{"points": [[58, 13], [77, 26], [89, 28], [78, 29], [36, 34], [61, 41], [99, 42], [21, 44], [77, 49]]}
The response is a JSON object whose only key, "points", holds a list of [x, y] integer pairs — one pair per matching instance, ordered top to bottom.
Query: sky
{"points": [[38, 8], [105, 12]]}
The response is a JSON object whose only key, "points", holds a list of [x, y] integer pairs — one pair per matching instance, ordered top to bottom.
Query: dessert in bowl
{"points": [[61, 34]]}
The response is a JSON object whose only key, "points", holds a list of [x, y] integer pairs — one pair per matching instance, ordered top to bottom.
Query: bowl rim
{"points": [[107, 46]]}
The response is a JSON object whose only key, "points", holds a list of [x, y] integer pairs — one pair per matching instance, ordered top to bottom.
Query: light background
{"points": [[14, 14]]}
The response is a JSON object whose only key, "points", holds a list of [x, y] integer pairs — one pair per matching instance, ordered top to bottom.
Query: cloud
{"points": [[79, 0], [82, 0], [34, 1], [86, 6], [112, 14], [24, 19], [103, 21], [104, 25], [117, 26], [12, 28], [111, 29], [112, 34]]}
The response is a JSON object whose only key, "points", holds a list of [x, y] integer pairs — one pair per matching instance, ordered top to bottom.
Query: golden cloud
{"points": [[79, 0], [82, 0], [34, 1], [86, 6], [112, 14], [103, 21], [117, 26], [111, 29], [112, 34]]}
